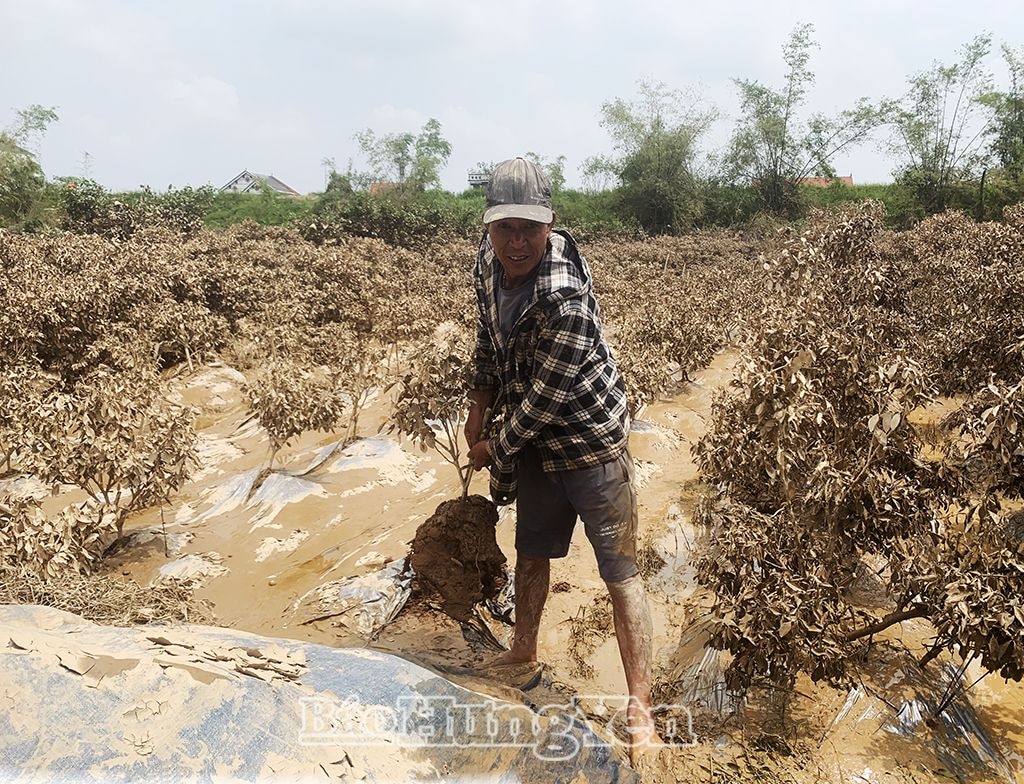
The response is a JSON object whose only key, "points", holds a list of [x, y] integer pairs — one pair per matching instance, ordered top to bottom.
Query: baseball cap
{"points": [[518, 189]]}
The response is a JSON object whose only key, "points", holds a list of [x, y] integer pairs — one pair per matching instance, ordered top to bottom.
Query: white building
{"points": [[249, 182]]}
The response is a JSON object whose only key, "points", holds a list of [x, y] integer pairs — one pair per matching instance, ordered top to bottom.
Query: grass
{"points": [[269, 209], [648, 560], [103, 598], [587, 630]]}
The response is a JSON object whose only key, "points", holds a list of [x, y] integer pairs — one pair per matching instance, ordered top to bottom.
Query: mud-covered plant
{"points": [[964, 292], [670, 303], [186, 333], [642, 356], [355, 364], [361, 376], [19, 400], [289, 400], [431, 402], [112, 435], [117, 438], [990, 438], [813, 463], [72, 540], [649, 560], [971, 572], [970, 576], [982, 610], [588, 628]]}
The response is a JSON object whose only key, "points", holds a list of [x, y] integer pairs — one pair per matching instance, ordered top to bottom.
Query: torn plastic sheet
{"points": [[364, 453], [322, 455], [25, 486], [277, 492], [223, 498], [194, 568], [365, 603], [503, 606], [491, 620], [697, 673], [902, 700]]}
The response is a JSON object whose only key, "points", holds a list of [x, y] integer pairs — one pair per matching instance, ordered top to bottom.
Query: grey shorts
{"points": [[548, 505]]}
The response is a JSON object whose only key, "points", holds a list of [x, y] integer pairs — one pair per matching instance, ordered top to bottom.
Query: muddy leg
{"points": [[532, 578], [633, 632]]}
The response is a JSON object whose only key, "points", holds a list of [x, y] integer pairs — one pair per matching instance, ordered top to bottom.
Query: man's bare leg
{"points": [[532, 578], [634, 633]]}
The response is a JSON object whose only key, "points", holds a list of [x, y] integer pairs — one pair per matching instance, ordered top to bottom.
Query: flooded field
{"points": [[827, 454], [315, 552]]}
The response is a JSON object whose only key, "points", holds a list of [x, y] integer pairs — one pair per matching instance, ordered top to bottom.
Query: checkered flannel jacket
{"points": [[555, 380]]}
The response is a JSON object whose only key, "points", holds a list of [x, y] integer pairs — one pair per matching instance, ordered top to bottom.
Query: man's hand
{"points": [[480, 401], [480, 455]]}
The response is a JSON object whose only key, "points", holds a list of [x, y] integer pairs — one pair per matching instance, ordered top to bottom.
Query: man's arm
{"points": [[485, 380], [480, 400]]}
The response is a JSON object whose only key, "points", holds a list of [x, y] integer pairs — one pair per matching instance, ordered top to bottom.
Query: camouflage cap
{"points": [[518, 189]]}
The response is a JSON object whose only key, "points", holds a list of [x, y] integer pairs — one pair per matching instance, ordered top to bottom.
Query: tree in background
{"points": [[939, 126], [1007, 128], [655, 139], [773, 149], [405, 158], [553, 167], [330, 169], [21, 176]]}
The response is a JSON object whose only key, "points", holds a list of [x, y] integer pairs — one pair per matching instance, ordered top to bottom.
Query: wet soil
{"points": [[329, 513], [456, 553]]}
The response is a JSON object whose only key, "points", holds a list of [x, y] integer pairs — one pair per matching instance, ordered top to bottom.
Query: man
{"points": [[561, 449]]}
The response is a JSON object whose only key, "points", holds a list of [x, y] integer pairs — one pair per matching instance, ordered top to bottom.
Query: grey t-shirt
{"points": [[512, 303]]}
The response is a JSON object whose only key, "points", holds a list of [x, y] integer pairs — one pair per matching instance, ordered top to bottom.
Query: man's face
{"points": [[519, 245]]}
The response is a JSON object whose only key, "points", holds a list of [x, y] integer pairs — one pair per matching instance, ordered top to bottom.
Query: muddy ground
{"points": [[262, 556]]}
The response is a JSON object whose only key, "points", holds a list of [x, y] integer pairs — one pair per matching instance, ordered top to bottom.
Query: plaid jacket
{"points": [[555, 380]]}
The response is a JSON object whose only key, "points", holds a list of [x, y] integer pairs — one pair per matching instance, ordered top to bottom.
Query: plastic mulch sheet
{"points": [[83, 702]]}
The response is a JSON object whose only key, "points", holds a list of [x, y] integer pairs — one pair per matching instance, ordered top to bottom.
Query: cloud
{"points": [[182, 91], [202, 98], [387, 118]]}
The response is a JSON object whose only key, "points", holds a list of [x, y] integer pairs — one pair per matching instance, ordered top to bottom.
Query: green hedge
{"points": [[267, 208], [413, 218]]}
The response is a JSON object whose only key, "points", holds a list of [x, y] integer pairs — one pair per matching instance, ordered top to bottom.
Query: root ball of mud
{"points": [[456, 553]]}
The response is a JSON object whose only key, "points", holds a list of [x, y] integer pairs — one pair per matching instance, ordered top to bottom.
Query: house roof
{"points": [[255, 180]]}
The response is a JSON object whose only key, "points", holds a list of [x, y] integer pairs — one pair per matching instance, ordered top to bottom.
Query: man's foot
{"points": [[513, 657], [644, 742], [652, 762]]}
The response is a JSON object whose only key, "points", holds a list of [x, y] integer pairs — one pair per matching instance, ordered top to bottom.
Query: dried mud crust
{"points": [[455, 552]]}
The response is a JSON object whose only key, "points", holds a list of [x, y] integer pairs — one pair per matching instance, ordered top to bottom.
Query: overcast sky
{"points": [[184, 92]]}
